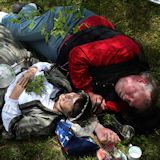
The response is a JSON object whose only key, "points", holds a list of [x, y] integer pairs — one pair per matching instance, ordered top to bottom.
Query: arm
{"points": [[101, 53], [92, 55], [42, 66], [79, 70], [80, 76], [24, 78], [22, 82], [98, 102], [117, 106], [11, 107], [10, 110], [34, 123], [87, 127], [106, 135]]}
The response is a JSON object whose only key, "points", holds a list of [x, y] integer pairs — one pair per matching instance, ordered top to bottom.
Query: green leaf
{"points": [[31, 25], [36, 85]]}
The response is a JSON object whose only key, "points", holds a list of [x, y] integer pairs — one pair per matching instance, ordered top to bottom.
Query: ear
{"points": [[142, 80]]}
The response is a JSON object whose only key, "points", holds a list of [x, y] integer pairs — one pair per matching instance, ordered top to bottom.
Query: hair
{"points": [[152, 86], [82, 107]]}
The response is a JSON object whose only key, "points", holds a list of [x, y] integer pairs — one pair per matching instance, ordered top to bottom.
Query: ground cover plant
{"points": [[139, 19]]}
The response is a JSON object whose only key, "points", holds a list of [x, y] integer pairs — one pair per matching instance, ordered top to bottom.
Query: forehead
{"points": [[74, 96], [70, 98]]}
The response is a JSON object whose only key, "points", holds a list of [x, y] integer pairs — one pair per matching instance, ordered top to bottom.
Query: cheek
{"points": [[133, 93], [138, 102], [67, 107]]}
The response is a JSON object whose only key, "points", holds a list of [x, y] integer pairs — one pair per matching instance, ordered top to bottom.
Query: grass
{"points": [[139, 19]]}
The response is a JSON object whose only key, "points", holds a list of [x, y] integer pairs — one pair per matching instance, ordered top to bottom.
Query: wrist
{"points": [[33, 70], [90, 93], [14, 96], [98, 128]]}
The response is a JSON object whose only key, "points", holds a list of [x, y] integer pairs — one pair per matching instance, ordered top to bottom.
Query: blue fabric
{"points": [[33, 37], [73, 145]]}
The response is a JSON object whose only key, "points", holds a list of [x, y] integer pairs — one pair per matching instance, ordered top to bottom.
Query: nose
{"points": [[62, 96]]}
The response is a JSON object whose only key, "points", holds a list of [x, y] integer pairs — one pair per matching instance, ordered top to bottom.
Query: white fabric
{"points": [[155, 1], [2, 14], [11, 107]]}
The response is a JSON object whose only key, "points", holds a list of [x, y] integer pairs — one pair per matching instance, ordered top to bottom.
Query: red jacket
{"points": [[113, 50]]}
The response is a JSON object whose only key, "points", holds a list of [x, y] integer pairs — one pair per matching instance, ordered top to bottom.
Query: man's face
{"points": [[133, 90], [66, 103]]}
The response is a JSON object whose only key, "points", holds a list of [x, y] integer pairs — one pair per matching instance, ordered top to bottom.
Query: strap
{"points": [[87, 35]]}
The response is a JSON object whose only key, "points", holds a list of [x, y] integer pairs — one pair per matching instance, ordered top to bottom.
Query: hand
{"points": [[30, 72], [27, 76], [22, 82], [19, 88], [97, 100], [105, 135]]}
